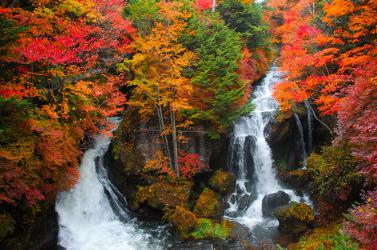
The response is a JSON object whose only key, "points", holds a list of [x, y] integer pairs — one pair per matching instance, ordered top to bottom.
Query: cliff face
{"points": [[136, 141]]}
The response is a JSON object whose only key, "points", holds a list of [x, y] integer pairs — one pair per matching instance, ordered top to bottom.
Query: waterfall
{"points": [[310, 126], [304, 155], [251, 158], [93, 215]]}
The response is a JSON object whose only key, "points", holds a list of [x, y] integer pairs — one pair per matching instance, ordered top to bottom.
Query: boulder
{"points": [[297, 179], [163, 194], [272, 201], [295, 218], [183, 220]]}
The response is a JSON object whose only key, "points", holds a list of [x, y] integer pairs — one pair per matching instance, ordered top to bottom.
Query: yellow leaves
{"points": [[50, 110]]}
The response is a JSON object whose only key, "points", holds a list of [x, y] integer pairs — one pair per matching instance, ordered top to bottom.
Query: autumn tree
{"points": [[160, 87]]}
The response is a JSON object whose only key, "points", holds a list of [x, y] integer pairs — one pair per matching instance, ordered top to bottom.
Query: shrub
{"points": [[335, 173], [222, 181], [207, 204], [362, 221]]}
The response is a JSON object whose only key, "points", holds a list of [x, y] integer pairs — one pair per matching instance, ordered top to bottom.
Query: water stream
{"points": [[251, 159], [93, 214]]}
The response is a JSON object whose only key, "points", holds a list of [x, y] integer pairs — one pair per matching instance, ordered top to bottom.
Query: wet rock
{"points": [[248, 153], [272, 201], [243, 202], [295, 218]]}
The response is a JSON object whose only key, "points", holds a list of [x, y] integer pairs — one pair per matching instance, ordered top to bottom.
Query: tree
{"points": [[158, 63]]}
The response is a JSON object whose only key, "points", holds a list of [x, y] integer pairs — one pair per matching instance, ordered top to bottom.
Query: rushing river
{"points": [[93, 214]]}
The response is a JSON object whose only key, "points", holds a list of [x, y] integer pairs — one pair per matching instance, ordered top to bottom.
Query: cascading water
{"points": [[304, 155], [251, 159], [92, 215]]}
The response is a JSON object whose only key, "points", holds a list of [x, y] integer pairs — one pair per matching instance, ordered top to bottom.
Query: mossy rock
{"points": [[295, 178], [223, 181], [164, 194], [208, 204], [294, 218], [183, 220], [208, 229]]}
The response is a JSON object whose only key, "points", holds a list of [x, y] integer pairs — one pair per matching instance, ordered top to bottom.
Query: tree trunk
{"points": [[214, 6], [175, 144]]}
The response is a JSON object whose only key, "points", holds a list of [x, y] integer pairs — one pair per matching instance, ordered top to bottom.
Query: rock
{"points": [[249, 159], [297, 179], [223, 182], [272, 201], [243, 202], [208, 204], [294, 218], [183, 220]]}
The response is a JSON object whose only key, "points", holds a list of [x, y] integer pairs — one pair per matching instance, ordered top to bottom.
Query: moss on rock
{"points": [[222, 181], [164, 194], [208, 204], [294, 218], [183, 220], [207, 229]]}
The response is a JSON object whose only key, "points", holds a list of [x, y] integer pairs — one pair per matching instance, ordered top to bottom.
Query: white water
{"points": [[265, 108], [92, 215]]}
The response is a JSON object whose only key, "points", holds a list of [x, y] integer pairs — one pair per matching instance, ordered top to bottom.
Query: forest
{"points": [[190, 124]]}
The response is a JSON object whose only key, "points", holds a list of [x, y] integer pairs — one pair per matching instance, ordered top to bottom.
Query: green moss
{"points": [[222, 181], [163, 194], [208, 204], [183, 220], [206, 228]]}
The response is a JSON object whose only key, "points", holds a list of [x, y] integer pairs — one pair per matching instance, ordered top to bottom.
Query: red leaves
{"points": [[203, 4], [190, 165], [362, 222]]}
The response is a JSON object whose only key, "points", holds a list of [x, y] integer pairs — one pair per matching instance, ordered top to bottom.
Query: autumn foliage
{"points": [[56, 90]]}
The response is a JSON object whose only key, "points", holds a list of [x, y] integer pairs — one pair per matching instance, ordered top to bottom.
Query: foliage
{"points": [[143, 14], [246, 19], [218, 88], [190, 165], [334, 172], [222, 181], [164, 194], [207, 204], [362, 220], [205, 229], [327, 237]]}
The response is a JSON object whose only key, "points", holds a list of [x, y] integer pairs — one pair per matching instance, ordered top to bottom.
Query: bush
{"points": [[335, 174], [222, 181], [208, 204], [183, 220], [362, 221]]}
